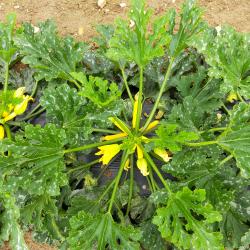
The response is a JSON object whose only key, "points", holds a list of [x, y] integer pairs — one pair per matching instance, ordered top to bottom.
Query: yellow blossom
{"points": [[19, 92], [232, 97], [21, 107], [135, 110], [10, 117], [151, 125], [1, 132], [115, 136], [108, 152], [139, 152], [163, 154], [127, 166], [143, 166]]}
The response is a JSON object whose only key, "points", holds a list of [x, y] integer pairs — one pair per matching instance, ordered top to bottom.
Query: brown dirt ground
{"points": [[81, 16]]}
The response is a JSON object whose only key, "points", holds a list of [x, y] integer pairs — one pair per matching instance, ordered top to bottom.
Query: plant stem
{"points": [[75, 82], [126, 85], [163, 86], [5, 88], [34, 89], [240, 97], [225, 108], [139, 110], [33, 114], [214, 130], [109, 131], [8, 133], [200, 144], [89, 146], [226, 159], [83, 166], [155, 168], [117, 179], [152, 179], [131, 183], [149, 185], [106, 190]]}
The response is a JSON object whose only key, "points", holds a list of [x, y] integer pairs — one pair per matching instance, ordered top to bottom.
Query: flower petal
{"points": [[21, 107], [135, 110], [152, 125], [1, 132], [112, 137], [108, 152], [139, 152], [163, 154], [127, 166], [143, 166]]}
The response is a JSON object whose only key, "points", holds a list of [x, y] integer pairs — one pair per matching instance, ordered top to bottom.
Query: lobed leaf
{"points": [[228, 53], [52, 57], [36, 164], [186, 221], [88, 231]]}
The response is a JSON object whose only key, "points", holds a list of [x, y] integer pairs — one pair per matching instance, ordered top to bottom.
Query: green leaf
{"points": [[190, 25], [136, 44], [7, 47], [228, 54], [52, 57], [98, 90], [200, 97], [68, 110], [171, 138], [236, 138], [37, 161], [186, 221], [10, 229], [88, 232], [151, 237], [245, 241]]}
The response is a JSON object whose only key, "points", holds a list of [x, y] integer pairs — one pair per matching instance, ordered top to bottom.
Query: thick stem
{"points": [[126, 85], [163, 86], [5, 87], [240, 97], [139, 110], [33, 114], [214, 130], [109, 131], [200, 144], [89, 146], [226, 159], [83, 166], [155, 168], [117, 179], [131, 183], [106, 190]]}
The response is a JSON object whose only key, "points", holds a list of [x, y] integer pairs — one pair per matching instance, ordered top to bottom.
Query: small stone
{"points": [[101, 3], [123, 5], [16, 7], [132, 24], [36, 29], [80, 31], [144, 187]]}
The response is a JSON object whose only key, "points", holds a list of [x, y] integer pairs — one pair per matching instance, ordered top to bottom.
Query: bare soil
{"points": [[79, 18]]}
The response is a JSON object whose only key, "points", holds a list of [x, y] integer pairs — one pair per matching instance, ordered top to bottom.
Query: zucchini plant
{"points": [[159, 100]]}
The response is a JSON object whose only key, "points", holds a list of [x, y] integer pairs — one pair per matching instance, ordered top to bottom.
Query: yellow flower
{"points": [[19, 92], [232, 97], [21, 107], [135, 110], [10, 117], [151, 126], [1, 132], [112, 137], [108, 152], [163, 154], [141, 162], [127, 166], [143, 166]]}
